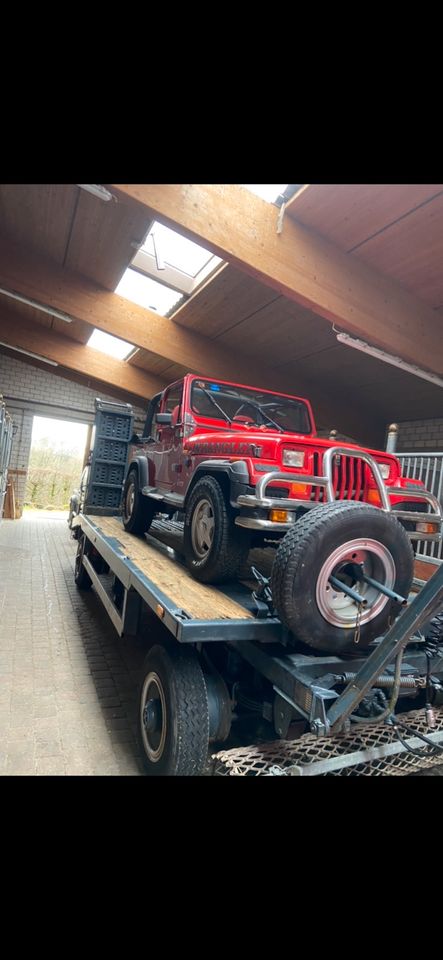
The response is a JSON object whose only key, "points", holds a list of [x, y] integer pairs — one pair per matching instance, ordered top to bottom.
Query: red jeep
{"points": [[246, 468]]}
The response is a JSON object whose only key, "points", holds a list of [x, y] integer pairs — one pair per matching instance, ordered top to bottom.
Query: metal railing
{"points": [[5, 450], [427, 467]]}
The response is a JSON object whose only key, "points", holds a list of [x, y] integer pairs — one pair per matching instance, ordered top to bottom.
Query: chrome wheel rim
{"points": [[130, 500], [202, 529], [376, 561], [153, 723]]}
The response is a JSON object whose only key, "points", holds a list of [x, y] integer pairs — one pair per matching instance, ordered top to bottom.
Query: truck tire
{"points": [[138, 511], [328, 541], [214, 547], [81, 576], [173, 715]]}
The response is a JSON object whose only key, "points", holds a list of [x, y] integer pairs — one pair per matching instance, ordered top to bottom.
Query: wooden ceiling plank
{"points": [[348, 214], [39, 215], [104, 239], [411, 250], [297, 263], [75, 356]]}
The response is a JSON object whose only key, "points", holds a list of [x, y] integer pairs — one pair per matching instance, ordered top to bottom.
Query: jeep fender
{"points": [[142, 466], [235, 472]]}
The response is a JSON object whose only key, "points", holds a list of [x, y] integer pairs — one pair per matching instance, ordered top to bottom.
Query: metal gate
{"points": [[5, 450], [427, 467]]}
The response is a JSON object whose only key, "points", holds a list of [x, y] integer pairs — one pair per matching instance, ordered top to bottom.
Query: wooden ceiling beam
{"points": [[234, 224], [44, 282], [70, 355]]}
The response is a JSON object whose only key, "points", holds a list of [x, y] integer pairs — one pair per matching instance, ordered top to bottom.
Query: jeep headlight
{"points": [[293, 458], [385, 470]]}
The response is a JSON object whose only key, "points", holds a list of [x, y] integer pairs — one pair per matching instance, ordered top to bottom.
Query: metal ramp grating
{"points": [[258, 760]]}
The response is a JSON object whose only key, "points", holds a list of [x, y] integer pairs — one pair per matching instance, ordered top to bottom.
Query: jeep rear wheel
{"points": [[138, 511], [341, 541], [214, 547]]}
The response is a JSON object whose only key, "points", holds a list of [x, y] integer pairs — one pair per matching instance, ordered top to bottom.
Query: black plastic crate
{"points": [[114, 426], [113, 431], [111, 450], [109, 473], [108, 498]]}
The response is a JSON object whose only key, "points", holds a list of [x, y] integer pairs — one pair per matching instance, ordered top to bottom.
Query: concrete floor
{"points": [[67, 681]]}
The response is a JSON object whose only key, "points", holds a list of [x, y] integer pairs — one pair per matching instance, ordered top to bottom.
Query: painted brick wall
{"points": [[30, 391], [420, 435]]}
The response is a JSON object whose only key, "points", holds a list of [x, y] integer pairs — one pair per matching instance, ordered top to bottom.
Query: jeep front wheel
{"points": [[138, 511], [333, 544], [215, 548]]}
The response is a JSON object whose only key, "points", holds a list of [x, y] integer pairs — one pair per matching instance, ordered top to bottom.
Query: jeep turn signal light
{"points": [[299, 489], [374, 498], [278, 516], [427, 527]]}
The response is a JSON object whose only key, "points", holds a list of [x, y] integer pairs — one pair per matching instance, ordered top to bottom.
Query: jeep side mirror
{"points": [[164, 418]]}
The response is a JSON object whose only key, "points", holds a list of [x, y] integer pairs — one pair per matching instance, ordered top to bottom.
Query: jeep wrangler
{"points": [[245, 467]]}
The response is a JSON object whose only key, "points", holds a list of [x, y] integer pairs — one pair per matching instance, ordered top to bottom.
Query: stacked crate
{"points": [[113, 432], [5, 450]]}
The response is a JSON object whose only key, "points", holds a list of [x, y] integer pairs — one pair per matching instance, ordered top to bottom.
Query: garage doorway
{"points": [[58, 452]]}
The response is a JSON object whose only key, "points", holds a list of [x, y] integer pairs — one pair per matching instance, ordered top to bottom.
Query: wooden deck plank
{"points": [[200, 601]]}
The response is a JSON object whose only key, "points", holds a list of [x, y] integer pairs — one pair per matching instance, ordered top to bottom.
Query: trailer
{"points": [[220, 657], [224, 690]]}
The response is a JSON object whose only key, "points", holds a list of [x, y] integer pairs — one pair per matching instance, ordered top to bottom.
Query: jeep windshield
{"points": [[241, 405]]}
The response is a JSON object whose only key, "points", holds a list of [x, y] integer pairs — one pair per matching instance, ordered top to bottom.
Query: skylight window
{"points": [[267, 191], [175, 250], [147, 292], [113, 346]]}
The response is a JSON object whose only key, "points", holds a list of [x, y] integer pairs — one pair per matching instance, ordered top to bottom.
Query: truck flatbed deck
{"points": [[192, 611]]}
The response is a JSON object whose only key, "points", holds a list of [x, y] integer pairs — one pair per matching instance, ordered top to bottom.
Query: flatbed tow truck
{"points": [[221, 662]]}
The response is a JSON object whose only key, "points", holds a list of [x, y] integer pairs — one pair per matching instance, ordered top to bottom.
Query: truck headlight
{"points": [[293, 458], [385, 470]]}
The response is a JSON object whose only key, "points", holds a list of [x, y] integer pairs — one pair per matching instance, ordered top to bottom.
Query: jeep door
{"points": [[167, 452]]}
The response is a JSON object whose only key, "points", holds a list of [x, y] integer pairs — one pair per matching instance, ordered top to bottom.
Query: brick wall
{"points": [[29, 391], [420, 435]]}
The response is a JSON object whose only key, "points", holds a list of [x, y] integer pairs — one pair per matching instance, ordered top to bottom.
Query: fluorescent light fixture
{"points": [[96, 189], [35, 303], [113, 346], [29, 354], [388, 358]]}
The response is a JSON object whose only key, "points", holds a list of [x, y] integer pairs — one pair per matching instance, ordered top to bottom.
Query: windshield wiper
{"points": [[214, 402], [257, 406]]}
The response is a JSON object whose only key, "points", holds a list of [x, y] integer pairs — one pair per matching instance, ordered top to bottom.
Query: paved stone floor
{"points": [[67, 680]]}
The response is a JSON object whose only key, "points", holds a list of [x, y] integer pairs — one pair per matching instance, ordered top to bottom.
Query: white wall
{"points": [[30, 391]]}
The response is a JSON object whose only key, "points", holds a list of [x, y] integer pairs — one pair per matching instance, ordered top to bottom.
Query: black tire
{"points": [[138, 511], [325, 542], [219, 559], [81, 576], [173, 716]]}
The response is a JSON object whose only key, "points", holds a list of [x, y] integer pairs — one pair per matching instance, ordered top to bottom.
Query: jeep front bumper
{"points": [[259, 502]]}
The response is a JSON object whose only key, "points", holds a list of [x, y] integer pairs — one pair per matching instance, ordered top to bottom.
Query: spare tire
{"points": [[339, 540]]}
